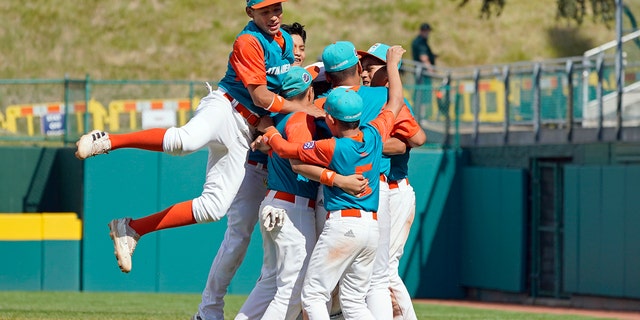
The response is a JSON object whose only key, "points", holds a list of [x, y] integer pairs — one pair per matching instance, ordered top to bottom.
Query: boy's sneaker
{"points": [[93, 143], [125, 240]]}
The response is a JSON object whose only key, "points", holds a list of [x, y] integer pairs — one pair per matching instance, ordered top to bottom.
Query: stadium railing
{"points": [[456, 106]]}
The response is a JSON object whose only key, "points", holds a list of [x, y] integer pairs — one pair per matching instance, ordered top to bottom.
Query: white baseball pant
{"points": [[217, 125], [402, 203], [321, 216], [241, 220], [290, 247], [343, 255], [379, 297]]}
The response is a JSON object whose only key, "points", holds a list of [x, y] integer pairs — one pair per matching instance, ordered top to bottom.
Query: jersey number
{"points": [[361, 170]]}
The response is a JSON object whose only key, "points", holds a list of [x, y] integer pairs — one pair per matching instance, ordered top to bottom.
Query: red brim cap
{"points": [[266, 3], [362, 54], [313, 70], [317, 71]]}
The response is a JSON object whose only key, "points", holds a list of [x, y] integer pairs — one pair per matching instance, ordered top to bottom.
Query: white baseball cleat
{"points": [[93, 143], [125, 240]]}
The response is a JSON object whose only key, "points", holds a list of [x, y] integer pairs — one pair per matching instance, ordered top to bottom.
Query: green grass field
{"points": [[138, 306]]}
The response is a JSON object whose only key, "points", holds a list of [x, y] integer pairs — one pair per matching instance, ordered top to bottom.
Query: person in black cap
{"points": [[420, 47], [425, 59]]}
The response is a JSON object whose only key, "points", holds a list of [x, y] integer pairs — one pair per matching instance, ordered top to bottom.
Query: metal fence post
{"points": [[537, 70], [506, 73], [599, 94], [87, 97], [475, 104], [569, 120]]}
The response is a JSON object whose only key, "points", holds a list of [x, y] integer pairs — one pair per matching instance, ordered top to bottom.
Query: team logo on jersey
{"points": [[309, 145]]}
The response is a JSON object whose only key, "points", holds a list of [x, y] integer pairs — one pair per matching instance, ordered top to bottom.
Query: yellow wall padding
{"points": [[40, 226]]}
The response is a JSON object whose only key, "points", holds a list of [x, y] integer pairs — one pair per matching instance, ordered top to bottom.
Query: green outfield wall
{"points": [[484, 221]]}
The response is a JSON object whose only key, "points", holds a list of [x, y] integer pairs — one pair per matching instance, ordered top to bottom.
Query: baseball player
{"points": [[299, 35], [223, 122], [401, 195], [242, 217], [287, 217], [288, 221], [347, 247], [378, 297]]}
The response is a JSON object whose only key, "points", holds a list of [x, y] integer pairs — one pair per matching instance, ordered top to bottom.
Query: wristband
{"points": [[276, 104], [269, 134], [327, 176]]}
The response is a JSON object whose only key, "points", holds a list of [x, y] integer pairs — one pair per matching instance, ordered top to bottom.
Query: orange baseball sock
{"points": [[150, 139], [178, 215]]}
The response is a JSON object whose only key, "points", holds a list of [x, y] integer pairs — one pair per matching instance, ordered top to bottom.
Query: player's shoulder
{"points": [[365, 90]]}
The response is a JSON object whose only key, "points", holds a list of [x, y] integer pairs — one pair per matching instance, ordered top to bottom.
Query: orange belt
{"points": [[252, 118], [257, 164], [393, 184], [289, 197], [353, 213]]}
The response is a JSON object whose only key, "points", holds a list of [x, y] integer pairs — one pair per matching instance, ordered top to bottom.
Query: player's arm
{"points": [[247, 59], [395, 99], [272, 102], [408, 130], [394, 146], [315, 152], [354, 184]]}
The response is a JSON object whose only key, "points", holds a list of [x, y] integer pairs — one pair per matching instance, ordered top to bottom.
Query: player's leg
{"points": [[215, 124], [402, 203], [321, 212], [321, 216], [241, 220], [340, 240], [294, 243], [357, 276], [264, 290], [378, 297]]}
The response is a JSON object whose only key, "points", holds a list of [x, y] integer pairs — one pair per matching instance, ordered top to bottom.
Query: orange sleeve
{"points": [[247, 59], [384, 123], [405, 125], [299, 128], [315, 152], [318, 152]]}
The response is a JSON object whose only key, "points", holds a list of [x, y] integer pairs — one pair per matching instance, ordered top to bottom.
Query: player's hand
{"points": [[394, 56], [314, 111], [264, 124], [260, 145], [355, 184], [272, 217]]}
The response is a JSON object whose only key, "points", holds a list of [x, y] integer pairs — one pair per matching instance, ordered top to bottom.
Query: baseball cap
{"points": [[257, 4], [425, 26], [378, 51], [339, 56], [317, 71], [296, 81], [344, 104]]}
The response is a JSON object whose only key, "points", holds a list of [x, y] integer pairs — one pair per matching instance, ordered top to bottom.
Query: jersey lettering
{"points": [[279, 69], [360, 170]]}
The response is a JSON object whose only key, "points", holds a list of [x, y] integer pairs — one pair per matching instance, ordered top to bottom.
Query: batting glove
{"points": [[272, 217]]}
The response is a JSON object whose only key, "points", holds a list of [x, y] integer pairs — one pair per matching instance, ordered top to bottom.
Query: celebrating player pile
{"points": [[338, 140]]}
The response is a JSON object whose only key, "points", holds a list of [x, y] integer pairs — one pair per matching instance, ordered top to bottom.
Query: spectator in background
{"points": [[421, 50], [426, 59]]}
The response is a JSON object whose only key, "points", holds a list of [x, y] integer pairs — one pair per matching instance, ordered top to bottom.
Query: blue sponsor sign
{"points": [[53, 124]]}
